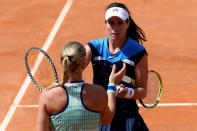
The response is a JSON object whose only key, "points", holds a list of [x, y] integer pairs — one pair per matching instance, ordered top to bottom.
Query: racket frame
{"points": [[29, 70], [159, 93]]}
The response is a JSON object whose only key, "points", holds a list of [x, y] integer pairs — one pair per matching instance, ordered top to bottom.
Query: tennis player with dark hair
{"points": [[122, 44], [74, 104]]}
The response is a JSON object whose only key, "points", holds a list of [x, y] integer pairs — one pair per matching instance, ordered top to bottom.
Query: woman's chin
{"points": [[114, 37]]}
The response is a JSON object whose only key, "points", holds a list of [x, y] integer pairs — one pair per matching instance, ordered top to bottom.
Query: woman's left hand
{"points": [[121, 91]]}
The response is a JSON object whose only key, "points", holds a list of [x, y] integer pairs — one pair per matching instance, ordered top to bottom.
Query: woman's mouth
{"points": [[115, 34]]}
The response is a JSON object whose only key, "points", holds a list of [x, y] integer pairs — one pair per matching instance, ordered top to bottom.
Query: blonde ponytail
{"points": [[72, 59]]}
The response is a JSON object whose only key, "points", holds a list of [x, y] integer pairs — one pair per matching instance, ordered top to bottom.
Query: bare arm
{"points": [[88, 55], [141, 72], [109, 110], [43, 118]]}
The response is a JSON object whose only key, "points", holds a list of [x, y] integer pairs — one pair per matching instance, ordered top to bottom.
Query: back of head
{"points": [[72, 57], [72, 60]]}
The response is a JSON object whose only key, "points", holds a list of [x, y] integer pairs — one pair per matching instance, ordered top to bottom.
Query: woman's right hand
{"points": [[116, 77]]}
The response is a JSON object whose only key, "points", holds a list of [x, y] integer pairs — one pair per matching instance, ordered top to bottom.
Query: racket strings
{"points": [[44, 73], [153, 85]]}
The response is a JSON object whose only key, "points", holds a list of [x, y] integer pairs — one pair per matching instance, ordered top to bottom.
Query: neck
{"points": [[116, 45], [75, 77]]}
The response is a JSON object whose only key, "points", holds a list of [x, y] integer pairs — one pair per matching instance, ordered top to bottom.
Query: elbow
{"points": [[144, 94], [107, 119], [106, 123]]}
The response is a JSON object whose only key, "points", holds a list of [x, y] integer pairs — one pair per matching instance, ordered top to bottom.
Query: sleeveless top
{"points": [[102, 61], [75, 116]]}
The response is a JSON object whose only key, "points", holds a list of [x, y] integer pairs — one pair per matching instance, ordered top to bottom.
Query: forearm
{"points": [[88, 55], [139, 93], [111, 104], [109, 111]]}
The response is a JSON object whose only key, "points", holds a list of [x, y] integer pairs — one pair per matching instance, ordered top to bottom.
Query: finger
{"points": [[124, 67], [113, 69], [123, 70], [122, 85]]}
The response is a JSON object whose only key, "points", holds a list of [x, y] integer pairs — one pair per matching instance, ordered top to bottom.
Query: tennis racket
{"points": [[40, 68], [154, 90]]}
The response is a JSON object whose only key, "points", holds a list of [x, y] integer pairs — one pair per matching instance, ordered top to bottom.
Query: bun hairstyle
{"points": [[133, 31], [72, 60]]}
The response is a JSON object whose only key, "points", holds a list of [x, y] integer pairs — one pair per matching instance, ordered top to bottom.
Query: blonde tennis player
{"points": [[74, 104]]}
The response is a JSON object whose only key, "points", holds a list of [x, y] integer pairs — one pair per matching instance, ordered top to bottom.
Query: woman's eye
{"points": [[111, 22], [120, 23]]}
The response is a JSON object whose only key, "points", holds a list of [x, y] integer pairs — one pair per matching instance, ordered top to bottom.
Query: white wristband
{"points": [[117, 88], [130, 93]]}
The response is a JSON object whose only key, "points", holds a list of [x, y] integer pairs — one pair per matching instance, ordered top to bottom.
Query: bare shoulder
{"points": [[96, 89], [49, 95], [94, 97], [53, 99]]}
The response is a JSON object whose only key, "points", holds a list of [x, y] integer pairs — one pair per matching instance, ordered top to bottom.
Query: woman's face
{"points": [[117, 28]]}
